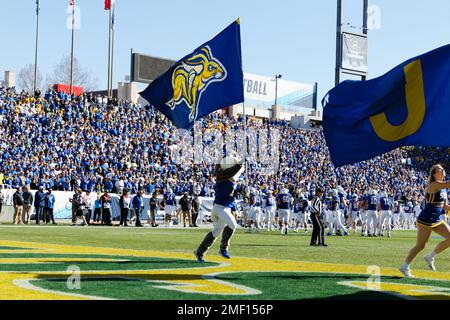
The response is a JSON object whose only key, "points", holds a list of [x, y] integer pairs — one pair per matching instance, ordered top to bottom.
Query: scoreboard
{"points": [[145, 69]]}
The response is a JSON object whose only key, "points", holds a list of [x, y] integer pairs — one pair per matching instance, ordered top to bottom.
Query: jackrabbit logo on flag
{"points": [[191, 78], [202, 82]]}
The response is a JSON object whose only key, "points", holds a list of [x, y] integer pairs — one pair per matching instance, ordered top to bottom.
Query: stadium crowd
{"points": [[63, 142]]}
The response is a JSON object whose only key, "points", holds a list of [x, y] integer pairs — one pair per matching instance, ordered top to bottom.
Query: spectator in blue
{"points": [[16, 182], [108, 185], [39, 203], [49, 206], [138, 206], [97, 210]]}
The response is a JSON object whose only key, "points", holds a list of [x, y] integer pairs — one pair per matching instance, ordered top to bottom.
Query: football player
{"points": [[284, 205], [385, 207]]}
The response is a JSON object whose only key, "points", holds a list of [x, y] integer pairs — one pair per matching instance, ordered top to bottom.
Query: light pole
{"points": [[37, 48], [278, 76]]}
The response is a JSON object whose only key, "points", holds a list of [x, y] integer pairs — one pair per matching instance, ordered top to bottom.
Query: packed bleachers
{"points": [[60, 142]]}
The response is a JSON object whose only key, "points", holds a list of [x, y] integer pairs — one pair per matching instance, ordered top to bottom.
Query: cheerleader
{"points": [[430, 219]]}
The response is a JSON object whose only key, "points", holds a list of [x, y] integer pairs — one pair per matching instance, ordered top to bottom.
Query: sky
{"points": [[295, 38]]}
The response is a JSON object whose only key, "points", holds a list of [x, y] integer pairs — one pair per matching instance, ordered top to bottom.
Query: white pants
{"points": [[170, 210], [254, 214], [270, 214], [283, 215], [354, 216], [222, 217], [385, 217], [302, 218], [363, 218], [396, 219], [412, 219], [330, 220], [337, 221], [372, 221]]}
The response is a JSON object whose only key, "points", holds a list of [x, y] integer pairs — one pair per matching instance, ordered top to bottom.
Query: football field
{"points": [[63, 262]]}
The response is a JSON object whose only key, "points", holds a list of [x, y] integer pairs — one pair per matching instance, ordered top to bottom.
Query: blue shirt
{"points": [[225, 194], [169, 198], [39, 199], [256, 199], [50, 201], [270, 201], [284, 201], [341, 201], [138, 202], [372, 203], [335, 204], [385, 204]]}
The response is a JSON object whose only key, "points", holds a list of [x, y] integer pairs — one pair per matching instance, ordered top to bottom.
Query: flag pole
{"points": [[73, 40], [112, 48], [36, 51], [109, 53], [245, 141]]}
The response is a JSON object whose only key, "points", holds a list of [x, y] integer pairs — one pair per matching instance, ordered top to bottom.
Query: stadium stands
{"points": [[60, 142]]}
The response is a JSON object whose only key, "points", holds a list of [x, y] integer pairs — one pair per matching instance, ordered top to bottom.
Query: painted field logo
{"points": [[47, 271]]}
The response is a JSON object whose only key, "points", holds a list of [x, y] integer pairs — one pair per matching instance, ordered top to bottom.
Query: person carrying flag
{"points": [[227, 175]]}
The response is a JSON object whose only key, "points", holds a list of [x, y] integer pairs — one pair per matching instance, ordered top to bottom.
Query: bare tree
{"points": [[81, 77], [25, 78]]}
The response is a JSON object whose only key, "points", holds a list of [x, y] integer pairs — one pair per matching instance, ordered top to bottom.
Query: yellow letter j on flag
{"points": [[416, 105]]}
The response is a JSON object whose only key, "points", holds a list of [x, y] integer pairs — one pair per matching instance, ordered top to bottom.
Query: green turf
{"points": [[14, 248], [354, 249], [382, 252], [128, 263], [283, 286]]}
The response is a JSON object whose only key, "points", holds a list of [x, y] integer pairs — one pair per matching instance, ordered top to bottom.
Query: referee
{"points": [[316, 218]]}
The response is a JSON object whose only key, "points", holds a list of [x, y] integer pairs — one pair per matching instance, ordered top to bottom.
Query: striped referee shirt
{"points": [[317, 205]]}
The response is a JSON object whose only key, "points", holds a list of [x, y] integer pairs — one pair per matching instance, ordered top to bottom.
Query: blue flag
{"points": [[208, 79], [408, 106]]}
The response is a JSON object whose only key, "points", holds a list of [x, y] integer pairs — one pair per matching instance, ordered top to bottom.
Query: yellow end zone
{"points": [[15, 285]]}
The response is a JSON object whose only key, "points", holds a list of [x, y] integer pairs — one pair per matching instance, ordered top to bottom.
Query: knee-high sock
{"points": [[226, 235], [206, 243]]}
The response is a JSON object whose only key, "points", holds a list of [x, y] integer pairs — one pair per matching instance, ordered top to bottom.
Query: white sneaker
{"points": [[430, 262], [406, 272]]}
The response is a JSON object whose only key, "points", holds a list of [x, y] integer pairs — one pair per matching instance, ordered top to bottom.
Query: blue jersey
{"points": [[225, 194], [169, 198], [255, 199], [341, 200], [270, 201], [284, 201], [327, 203], [335, 203], [372, 203], [385, 204], [354, 205], [431, 215]]}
